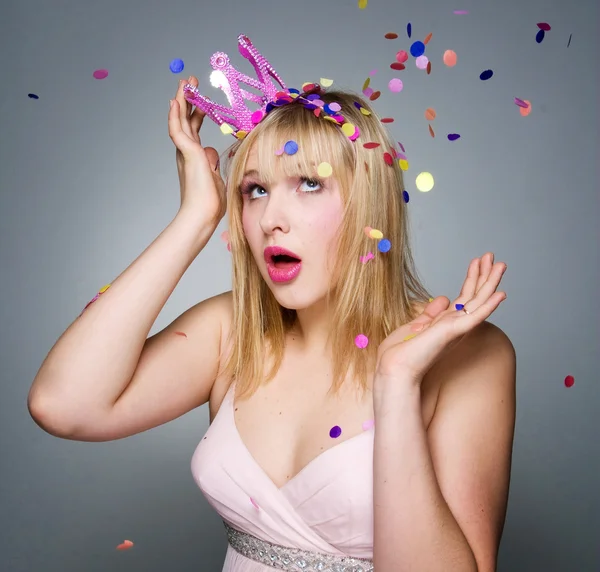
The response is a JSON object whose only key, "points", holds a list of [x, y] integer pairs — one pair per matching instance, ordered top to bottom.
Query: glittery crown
{"points": [[238, 119]]}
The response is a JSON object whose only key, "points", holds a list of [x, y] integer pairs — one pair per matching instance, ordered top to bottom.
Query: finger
{"points": [[184, 109], [196, 122], [213, 157], [487, 261], [469, 287], [489, 287]]}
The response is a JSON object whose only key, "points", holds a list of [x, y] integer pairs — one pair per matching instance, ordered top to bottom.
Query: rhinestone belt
{"points": [[292, 559]]}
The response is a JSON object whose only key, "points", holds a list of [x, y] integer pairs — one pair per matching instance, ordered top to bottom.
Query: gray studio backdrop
{"points": [[88, 180]]}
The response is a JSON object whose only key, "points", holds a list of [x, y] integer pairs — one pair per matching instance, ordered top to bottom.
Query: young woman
{"points": [[356, 423]]}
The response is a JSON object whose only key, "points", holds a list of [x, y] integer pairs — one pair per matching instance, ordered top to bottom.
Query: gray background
{"points": [[88, 180]]}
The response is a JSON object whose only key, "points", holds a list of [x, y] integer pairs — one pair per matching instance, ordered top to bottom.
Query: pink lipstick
{"points": [[282, 265]]}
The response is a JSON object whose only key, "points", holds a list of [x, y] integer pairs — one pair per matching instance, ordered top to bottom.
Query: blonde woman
{"points": [[356, 423]]}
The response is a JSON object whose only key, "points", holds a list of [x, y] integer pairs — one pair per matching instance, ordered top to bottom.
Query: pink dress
{"points": [[321, 519]]}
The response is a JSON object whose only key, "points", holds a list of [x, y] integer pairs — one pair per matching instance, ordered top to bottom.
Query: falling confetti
{"points": [[362, 4], [460, 12], [544, 26], [409, 29], [391, 36], [539, 37], [427, 38], [569, 43], [417, 49], [401, 56], [450, 58], [422, 62], [176, 66], [397, 66], [428, 67], [100, 74], [485, 75], [326, 82], [395, 85], [375, 95], [33, 96], [520, 102], [525, 111], [430, 114], [387, 120], [431, 132], [453, 136], [424, 182], [569, 381], [335, 431], [125, 545]]}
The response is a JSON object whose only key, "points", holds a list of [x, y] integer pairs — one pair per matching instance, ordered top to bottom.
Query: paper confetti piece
{"points": [[362, 4], [460, 12], [544, 26], [409, 29], [391, 36], [540, 36], [427, 38], [569, 43], [417, 49], [401, 56], [450, 58], [421, 62], [176, 65], [397, 66], [428, 67], [372, 72], [100, 74], [485, 75], [326, 82], [366, 84], [396, 85], [375, 95], [33, 96], [520, 102], [525, 111], [430, 114], [387, 120], [226, 129], [431, 132], [453, 136], [371, 145], [402, 147], [290, 148], [388, 159], [403, 164], [324, 169], [424, 182], [405, 196], [374, 233], [384, 245], [365, 259], [183, 334], [361, 341], [569, 381], [368, 424], [335, 431], [125, 545]]}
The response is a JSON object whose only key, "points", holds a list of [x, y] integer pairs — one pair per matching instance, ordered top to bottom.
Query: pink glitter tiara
{"points": [[239, 119]]}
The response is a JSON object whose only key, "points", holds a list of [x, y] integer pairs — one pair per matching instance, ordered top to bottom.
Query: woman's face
{"points": [[301, 215]]}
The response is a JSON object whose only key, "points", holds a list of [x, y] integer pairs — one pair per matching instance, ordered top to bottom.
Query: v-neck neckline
{"points": [[311, 463]]}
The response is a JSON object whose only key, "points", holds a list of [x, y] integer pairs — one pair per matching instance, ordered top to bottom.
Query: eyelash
{"points": [[250, 187]]}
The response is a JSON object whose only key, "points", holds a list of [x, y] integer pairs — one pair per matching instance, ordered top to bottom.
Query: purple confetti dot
{"points": [[100, 74], [453, 136], [290, 148], [335, 432]]}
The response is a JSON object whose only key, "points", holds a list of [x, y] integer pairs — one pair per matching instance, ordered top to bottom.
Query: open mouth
{"points": [[284, 261]]}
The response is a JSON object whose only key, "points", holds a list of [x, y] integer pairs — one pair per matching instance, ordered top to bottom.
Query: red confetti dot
{"points": [[544, 26], [391, 36], [397, 66], [428, 67], [375, 95], [387, 120], [431, 132], [371, 145], [388, 159], [569, 381]]}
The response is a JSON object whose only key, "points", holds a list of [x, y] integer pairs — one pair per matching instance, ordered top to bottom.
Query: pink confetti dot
{"points": [[401, 56], [421, 62], [372, 72], [100, 74], [395, 85], [368, 91], [335, 106], [257, 116], [361, 341], [569, 381], [368, 424]]}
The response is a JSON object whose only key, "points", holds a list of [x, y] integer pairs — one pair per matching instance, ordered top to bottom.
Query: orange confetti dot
{"points": [[391, 36], [426, 40], [450, 58], [428, 67], [525, 111], [430, 114], [431, 131], [125, 545]]}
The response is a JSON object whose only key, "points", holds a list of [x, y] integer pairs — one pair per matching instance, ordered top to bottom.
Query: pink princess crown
{"points": [[239, 119]]}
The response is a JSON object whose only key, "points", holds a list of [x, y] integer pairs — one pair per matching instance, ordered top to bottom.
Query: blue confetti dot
{"points": [[409, 29], [540, 36], [417, 49], [176, 66], [487, 74], [33, 96], [453, 136], [291, 148], [405, 196], [384, 245], [459, 306], [335, 432]]}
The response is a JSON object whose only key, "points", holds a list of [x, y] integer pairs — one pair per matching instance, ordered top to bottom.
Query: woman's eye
{"points": [[311, 184]]}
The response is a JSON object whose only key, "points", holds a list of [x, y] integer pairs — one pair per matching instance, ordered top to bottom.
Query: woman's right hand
{"points": [[202, 188]]}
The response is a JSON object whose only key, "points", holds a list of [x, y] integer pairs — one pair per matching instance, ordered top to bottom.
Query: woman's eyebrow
{"points": [[251, 173]]}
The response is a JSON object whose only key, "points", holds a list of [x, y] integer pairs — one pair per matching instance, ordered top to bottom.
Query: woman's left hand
{"points": [[411, 350]]}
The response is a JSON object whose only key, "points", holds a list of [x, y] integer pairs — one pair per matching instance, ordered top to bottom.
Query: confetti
{"points": [[362, 4], [460, 12], [544, 26], [409, 29], [391, 36], [540, 36], [427, 38], [569, 43], [417, 49], [401, 56], [450, 58], [422, 62], [176, 65], [397, 66], [428, 67], [372, 72], [100, 74], [487, 74], [326, 82], [366, 84], [395, 85], [368, 92], [375, 95], [33, 96], [520, 102], [525, 111], [430, 114], [257, 116], [387, 120], [226, 129], [431, 132], [453, 136], [371, 145], [402, 147], [291, 148], [388, 159], [403, 164], [324, 169], [424, 182], [405, 196], [367, 230], [374, 233], [384, 245], [365, 259], [183, 334], [361, 341], [569, 381], [368, 424], [335, 431], [125, 545]]}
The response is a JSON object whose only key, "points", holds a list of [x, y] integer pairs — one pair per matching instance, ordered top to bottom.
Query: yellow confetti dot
{"points": [[362, 4], [326, 82], [366, 84], [365, 111], [328, 118], [226, 129], [348, 129], [241, 134], [403, 164], [324, 169], [424, 182], [374, 233], [104, 288], [408, 337]]}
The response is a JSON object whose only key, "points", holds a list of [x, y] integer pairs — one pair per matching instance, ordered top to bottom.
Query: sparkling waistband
{"points": [[292, 559]]}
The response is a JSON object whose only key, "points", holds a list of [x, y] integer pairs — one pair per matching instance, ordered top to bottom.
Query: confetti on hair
{"points": [[391, 36], [427, 38], [417, 49], [450, 58], [176, 65], [100, 74], [485, 75], [326, 82], [366, 84], [396, 85], [33, 96], [430, 114], [226, 129], [431, 131], [453, 136], [371, 145], [290, 148], [388, 159], [403, 164], [324, 169], [424, 182], [374, 233], [384, 245], [365, 259], [361, 341], [569, 381], [368, 424], [335, 431], [125, 545]]}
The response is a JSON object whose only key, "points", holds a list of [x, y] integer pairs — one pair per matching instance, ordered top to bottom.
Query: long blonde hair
{"points": [[373, 298]]}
